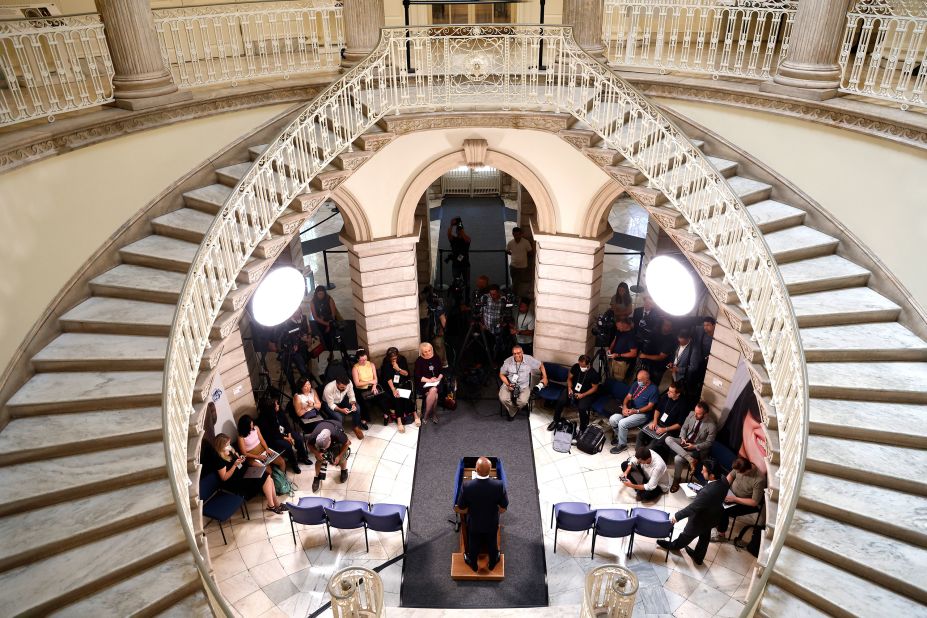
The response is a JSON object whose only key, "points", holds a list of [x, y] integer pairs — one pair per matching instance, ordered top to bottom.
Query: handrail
{"points": [[467, 67]]}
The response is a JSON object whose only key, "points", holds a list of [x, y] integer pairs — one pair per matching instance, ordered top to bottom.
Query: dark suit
{"points": [[687, 369], [482, 498], [703, 514]]}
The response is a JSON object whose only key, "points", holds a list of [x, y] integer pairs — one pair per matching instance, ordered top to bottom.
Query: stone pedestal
{"points": [[586, 18], [362, 22], [810, 71], [141, 80], [384, 282], [567, 287]]}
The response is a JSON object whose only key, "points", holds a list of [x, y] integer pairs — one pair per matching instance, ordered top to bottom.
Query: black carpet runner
{"points": [[484, 222], [473, 430]]}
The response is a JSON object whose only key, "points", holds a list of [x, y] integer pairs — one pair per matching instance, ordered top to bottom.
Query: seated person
{"points": [[623, 351], [428, 371], [516, 373], [395, 375], [366, 385], [582, 385], [338, 401], [307, 405], [636, 409], [668, 416], [279, 435], [694, 441], [328, 442], [252, 445], [229, 465], [645, 473], [747, 484]]}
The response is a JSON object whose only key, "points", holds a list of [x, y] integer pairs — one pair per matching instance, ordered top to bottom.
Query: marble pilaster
{"points": [[586, 18], [362, 22], [811, 71], [141, 80], [423, 247], [384, 282], [567, 287]]}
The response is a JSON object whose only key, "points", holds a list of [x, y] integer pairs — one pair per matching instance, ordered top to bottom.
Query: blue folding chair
{"points": [[556, 382], [612, 390], [218, 504], [310, 511], [347, 515], [572, 516], [388, 518], [652, 523], [612, 524]]}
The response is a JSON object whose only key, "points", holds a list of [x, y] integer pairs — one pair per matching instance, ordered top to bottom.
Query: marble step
{"points": [[374, 139], [603, 157], [232, 174], [629, 174], [675, 176], [329, 178], [208, 199], [772, 216], [188, 224], [800, 243], [166, 253], [818, 274], [132, 282], [845, 306], [119, 316], [884, 341], [99, 352], [898, 382], [59, 392], [899, 424], [40, 437], [866, 462], [53, 481], [866, 505], [32, 535], [880, 559], [43, 586], [157, 588], [845, 594], [777, 602], [193, 606]]}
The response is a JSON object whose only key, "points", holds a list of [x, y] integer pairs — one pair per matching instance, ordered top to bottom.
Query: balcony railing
{"points": [[742, 38], [236, 42], [884, 52], [51, 66], [492, 67]]}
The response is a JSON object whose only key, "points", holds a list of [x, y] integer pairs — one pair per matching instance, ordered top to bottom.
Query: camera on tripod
{"points": [[603, 329]]}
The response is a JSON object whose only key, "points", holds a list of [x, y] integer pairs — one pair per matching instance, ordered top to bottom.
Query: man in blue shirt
{"points": [[636, 410]]}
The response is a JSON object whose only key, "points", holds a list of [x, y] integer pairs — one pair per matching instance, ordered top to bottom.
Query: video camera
{"points": [[603, 329], [329, 457]]}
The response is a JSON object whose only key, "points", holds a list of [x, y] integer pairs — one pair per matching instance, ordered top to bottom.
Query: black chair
{"points": [[218, 504]]}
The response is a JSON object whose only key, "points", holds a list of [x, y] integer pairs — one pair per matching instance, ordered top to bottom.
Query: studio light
{"points": [[671, 285], [278, 296]]}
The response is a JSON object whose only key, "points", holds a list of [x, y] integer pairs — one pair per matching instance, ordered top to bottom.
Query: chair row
{"points": [[557, 377], [218, 504], [349, 515], [611, 523]]}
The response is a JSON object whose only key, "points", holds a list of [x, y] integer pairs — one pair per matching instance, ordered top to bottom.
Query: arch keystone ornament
{"points": [[475, 152]]}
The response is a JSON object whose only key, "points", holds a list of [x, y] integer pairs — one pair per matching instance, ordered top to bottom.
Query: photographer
{"points": [[460, 251], [324, 314], [433, 320], [646, 321], [523, 326], [292, 337], [623, 351], [516, 374], [582, 384], [338, 401], [328, 443]]}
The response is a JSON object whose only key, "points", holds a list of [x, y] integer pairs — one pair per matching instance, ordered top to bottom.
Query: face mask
{"points": [[584, 369]]}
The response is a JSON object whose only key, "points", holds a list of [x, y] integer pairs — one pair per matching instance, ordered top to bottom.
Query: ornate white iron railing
{"points": [[737, 38], [229, 43], [884, 52], [51, 66], [478, 67]]}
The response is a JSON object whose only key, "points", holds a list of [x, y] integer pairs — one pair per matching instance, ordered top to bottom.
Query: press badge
{"points": [[514, 378], [396, 379], [578, 387], [664, 417]]}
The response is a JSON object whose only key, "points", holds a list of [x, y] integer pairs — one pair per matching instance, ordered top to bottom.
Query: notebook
{"points": [[404, 393]]}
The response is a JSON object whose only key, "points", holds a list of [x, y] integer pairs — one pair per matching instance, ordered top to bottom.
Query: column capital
{"points": [[574, 244], [383, 246]]}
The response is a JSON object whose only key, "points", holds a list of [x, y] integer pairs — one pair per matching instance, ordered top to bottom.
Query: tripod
{"points": [[480, 337], [601, 364]]}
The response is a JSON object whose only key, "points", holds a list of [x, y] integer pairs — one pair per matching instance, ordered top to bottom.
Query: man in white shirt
{"points": [[519, 248], [516, 375], [338, 401], [646, 474]]}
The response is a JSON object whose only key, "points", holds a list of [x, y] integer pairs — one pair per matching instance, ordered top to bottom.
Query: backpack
{"points": [[563, 436], [592, 440], [282, 485]]}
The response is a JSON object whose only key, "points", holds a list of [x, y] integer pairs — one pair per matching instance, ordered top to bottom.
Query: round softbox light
{"points": [[670, 285], [278, 296]]}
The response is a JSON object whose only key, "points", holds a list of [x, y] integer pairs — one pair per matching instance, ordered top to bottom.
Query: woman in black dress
{"points": [[395, 374], [229, 465]]}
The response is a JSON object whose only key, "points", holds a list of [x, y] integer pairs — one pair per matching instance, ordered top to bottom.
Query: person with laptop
{"points": [[668, 417]]}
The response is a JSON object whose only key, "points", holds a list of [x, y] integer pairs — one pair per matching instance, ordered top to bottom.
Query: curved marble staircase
{"points": [[88, 525], [858, 542]]}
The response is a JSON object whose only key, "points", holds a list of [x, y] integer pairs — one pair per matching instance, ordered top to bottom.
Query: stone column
{"points": [[586, 18], [362, 22], [811, 71], [141, 80], [423, 246], [384, 282], [567, 286]]}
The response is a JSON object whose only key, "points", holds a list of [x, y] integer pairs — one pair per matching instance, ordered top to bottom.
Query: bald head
{"points": [[483, 466]]}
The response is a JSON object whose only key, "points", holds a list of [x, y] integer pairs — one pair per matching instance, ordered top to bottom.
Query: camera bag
{"points": [[591, 440]]}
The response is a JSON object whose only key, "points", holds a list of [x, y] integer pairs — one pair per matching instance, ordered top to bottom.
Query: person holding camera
{"points": [[460, 251], [324, 315], [523, 326], [623, 350], [516, 374], [395, 375], [582, 384], [338, 401], [328, 444]]}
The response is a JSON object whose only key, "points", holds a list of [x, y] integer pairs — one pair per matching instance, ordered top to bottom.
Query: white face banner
{"points": [[226, 422]]}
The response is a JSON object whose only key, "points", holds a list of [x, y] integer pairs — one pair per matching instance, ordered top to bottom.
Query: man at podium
{"points": [[482, 500]]}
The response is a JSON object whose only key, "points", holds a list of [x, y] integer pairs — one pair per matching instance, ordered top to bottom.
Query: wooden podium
{"points": [[460, 570]]}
